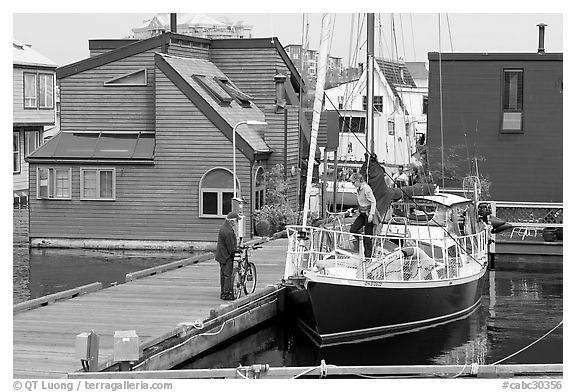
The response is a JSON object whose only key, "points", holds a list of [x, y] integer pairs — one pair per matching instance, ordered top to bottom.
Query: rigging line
{"points": [[449, 33], [413, 40], [440, 90], [531, 344]]}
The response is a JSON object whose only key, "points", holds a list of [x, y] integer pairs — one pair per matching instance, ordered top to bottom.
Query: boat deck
{"points": [[44, 338]]}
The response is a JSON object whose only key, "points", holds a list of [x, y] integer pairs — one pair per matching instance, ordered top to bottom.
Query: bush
{"points": [[277, 211]]}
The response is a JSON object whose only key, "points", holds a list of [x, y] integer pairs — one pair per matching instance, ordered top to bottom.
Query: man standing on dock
{"points": [[225, 251]]}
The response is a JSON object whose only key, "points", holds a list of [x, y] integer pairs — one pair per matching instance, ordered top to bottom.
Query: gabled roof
{"points": [[24, 55], [187, 74], [397, 74]]}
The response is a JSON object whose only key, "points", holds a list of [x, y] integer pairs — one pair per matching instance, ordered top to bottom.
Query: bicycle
{"points": [[244, 277]]}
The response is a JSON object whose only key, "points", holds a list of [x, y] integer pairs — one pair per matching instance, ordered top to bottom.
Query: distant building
{"points": [[195, 25], [307, 61], [505, 109], [34, 110]]}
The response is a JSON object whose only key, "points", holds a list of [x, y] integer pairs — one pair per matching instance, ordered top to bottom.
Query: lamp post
{"points": [[250, 123]]}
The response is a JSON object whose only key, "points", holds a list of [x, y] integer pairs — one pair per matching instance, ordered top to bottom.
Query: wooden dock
{"points": [[44, 337]]}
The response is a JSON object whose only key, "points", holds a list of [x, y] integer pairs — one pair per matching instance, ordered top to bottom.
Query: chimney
{"points": [[173, 23], [541, 28], [279, 81]]}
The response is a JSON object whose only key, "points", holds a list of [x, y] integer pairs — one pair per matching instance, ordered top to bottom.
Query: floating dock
{"points": [[154, 303]]}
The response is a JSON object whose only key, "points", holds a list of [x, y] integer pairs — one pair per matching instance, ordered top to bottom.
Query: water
{"points": [[39, 272], [517, 309]]}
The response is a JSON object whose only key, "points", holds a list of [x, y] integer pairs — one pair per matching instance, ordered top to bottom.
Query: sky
{"points": [[63, 37]]}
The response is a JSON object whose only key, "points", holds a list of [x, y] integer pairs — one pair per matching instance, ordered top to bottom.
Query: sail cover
{"points": [[376, 178]]}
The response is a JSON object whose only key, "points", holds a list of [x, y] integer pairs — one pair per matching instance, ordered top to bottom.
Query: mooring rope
{"points": [[531, 344]]}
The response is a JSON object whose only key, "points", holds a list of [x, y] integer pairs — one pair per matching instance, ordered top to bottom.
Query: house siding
{"points": [[188, 49], [252, 70], [86, 104], [522, 167], [156, 203]]}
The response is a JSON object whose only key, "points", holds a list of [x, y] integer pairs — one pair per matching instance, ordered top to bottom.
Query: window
{"points": [[136, 78], [215, 90], [46, 91], [30, 96], [512, 100], [340, 102], [378, 103], [425, 105], [352, 124], [391, 127], [32, 142], [16, 151], [54, 183], [97, 184], [259, 189], [216, 192]]}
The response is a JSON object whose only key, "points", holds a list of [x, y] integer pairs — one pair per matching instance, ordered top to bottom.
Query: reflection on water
{"points": [[39, 272], [517, 309]]}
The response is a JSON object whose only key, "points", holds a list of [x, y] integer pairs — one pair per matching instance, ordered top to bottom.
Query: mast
{"points": [[325, 38], [370, 84]]}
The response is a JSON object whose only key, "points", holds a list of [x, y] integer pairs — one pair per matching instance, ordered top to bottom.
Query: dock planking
{"points": [[44, 338]]}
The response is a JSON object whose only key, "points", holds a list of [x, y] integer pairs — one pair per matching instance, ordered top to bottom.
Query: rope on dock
{"points": [[200, 325], [531, 344]]}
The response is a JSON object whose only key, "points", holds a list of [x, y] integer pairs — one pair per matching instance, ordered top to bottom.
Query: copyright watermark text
{"points": [[91, 385]]}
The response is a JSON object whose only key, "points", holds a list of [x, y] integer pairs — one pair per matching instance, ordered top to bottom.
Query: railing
{"points": [[529, 214], [328, 252]]}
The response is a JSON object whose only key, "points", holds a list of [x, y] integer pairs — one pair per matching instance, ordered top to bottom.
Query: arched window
{"points": [[259, 189], [216, 193]]}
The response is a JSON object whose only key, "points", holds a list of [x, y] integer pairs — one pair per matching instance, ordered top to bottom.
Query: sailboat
{"points": [[428, 260]]}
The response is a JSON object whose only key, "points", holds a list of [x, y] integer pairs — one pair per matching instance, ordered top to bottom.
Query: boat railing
{"points": [[331, 252]]}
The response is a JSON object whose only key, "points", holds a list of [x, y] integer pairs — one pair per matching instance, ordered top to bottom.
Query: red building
{"points": [[503, 110], [145, 152]]}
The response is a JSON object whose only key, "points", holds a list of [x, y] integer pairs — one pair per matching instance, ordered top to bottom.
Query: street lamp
{"points": [[250, 123]]}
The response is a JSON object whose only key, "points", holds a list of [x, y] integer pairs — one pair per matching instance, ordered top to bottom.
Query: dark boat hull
{"points": [[333, 311]]}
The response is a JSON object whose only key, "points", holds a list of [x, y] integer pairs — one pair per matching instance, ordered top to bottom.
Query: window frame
{"points": [[116, 81], [35, 84], [38, 90], [378, 106], [505, 110], [38, 141], [16, 155], [98, 171], [52, 183], [259, 189], [220, 195]]}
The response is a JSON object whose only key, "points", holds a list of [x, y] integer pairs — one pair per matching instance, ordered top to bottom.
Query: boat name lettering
{"points": [[372, 283]]}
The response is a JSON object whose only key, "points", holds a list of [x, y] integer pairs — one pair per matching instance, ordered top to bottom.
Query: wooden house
{"points": [[33, 109], [503, 110], [394, 128], [145, 153]]}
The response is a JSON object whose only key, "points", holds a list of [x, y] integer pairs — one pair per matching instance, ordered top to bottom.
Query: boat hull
{"points": [[335, 311]]}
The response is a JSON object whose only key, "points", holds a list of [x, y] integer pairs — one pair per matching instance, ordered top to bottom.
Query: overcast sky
{"points": [[63, 37]]}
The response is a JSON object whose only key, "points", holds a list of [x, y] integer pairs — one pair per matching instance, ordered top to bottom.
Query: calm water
{"points": [[39, 272], [517, 309]]}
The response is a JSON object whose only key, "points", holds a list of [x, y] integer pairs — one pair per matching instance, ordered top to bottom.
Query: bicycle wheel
{"points": [[250, 283], [237, 284]]}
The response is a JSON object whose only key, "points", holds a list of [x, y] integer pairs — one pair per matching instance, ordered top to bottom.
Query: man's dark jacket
{"points": [[226, 243]]}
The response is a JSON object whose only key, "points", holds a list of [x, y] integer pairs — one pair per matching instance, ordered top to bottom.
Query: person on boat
{"points": [[400, 178], [366, 212], [225, 251]]}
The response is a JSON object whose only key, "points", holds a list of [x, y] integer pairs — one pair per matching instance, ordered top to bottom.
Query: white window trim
{"points": [[115, 81], [35, 97], [51, 105], [38, 141], [16, 153], [98, 171], [220, 191], [38, 197]]}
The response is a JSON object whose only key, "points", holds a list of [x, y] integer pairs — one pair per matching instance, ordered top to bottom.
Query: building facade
{"points": [[195, 25], [306, 61], [33, 110], [503, 112], [145, 155]]}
